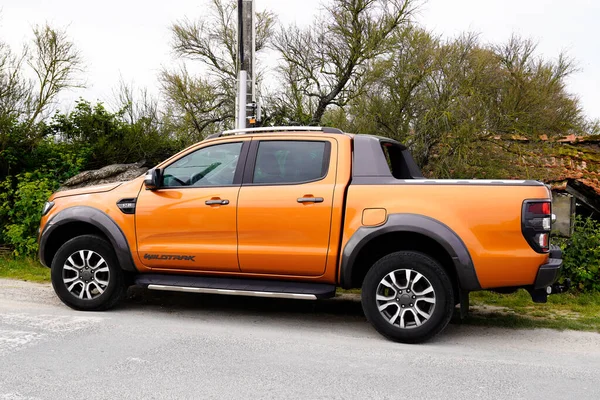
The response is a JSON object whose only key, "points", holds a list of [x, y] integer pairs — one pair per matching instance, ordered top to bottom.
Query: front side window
{"points": [[291, 161], [209, 166]]}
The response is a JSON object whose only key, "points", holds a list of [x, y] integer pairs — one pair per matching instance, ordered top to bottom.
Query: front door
{"points": [[285, 206], [189, 223]]}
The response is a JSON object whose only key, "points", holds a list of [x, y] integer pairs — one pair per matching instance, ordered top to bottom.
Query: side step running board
{"points": [[237, 286]]}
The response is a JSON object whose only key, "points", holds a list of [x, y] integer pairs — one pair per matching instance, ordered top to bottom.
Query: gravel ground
{"points": [[163, 345]]}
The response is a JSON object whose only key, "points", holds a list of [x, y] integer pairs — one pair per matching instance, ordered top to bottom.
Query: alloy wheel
{"points": [[86, 274], [405, 298]]}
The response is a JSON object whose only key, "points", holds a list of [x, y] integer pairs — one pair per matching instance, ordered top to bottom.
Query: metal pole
{"points": [[240, 55], [241, 100]]}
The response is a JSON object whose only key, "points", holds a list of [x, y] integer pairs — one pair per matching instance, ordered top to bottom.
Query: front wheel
{"points": [[85, 274], [407, 296]]}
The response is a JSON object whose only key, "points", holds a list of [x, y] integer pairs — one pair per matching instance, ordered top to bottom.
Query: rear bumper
{"points": [[548, 273]]}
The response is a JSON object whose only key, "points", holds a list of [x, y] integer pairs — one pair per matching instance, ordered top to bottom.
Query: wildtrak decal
{"points": [[167, 257]]}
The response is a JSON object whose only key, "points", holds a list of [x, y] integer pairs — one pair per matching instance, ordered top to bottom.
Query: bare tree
{"points": [[211, 41], [55, 61], [324, 64], [14, 89], [194, 103], [136, 104]]}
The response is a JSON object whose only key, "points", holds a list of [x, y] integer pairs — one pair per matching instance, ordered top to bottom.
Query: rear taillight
{"points": [[539, 208], [536, 223]]}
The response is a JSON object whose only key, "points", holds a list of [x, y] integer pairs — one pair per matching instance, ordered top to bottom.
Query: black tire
{"points": [[436, 278], [113, 291]]}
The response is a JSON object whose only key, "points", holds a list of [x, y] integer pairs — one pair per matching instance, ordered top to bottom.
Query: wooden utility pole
{"points": [[246, 96]]}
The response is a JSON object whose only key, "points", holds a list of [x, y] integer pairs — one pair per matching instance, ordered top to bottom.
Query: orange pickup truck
{"points": [[294, 212]]}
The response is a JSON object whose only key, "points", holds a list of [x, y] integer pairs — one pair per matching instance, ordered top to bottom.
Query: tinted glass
{"points": [[290, 161], [210, 166]]}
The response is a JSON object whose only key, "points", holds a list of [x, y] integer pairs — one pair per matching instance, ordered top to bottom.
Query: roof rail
{"points": [[264, 129]]}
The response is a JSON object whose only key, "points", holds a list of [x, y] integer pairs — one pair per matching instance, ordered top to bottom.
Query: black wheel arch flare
{"points": [[99, 220], [415, 223]]}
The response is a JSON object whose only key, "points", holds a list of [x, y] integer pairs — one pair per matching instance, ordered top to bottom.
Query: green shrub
{"points": [[22, 208], [581, 255]]}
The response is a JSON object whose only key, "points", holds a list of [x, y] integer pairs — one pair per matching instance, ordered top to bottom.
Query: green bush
{"points": [[22, 208], [581, 255]]}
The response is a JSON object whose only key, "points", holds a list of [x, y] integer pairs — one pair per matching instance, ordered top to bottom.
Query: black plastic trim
{"points": [[327, 129], [127, 210], [98, 219], [436, 230], [555, 251], [548, 273]]}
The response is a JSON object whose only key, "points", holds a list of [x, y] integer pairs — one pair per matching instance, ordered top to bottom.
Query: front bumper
{"points": [[548, 273]]}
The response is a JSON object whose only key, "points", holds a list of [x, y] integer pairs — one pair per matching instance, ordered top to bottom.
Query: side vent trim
{"points": [[127, 206]]}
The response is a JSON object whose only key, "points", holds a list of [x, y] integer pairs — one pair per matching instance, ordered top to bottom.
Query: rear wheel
{"points": [[85, 274], [407, 296]]}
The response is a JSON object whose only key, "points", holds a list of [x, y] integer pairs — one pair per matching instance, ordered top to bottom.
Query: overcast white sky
{"points": [[129, 39]]}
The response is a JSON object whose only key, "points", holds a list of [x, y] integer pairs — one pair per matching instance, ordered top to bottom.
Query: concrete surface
{"points": [[163, 346]]}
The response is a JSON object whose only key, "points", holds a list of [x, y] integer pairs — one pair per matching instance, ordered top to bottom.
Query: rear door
{"points": [[285, 206]]}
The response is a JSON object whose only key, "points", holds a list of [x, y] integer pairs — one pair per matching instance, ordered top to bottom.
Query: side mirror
{"points": [[152, 179]]}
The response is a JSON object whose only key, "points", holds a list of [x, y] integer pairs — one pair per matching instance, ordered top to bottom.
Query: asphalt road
{"points": [[163, 345]]}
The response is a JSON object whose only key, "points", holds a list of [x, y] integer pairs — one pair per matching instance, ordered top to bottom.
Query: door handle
{"points": [[310, 200], [214, 202]]}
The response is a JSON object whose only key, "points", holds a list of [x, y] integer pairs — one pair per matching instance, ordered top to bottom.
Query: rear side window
{"points": [[281, 161], [400, 162]]}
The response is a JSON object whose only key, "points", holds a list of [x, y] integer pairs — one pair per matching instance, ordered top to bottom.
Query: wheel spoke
{"points": [[82, 255], [70, 259], [87, 259], [99, 263], [69, 268], [103, 269], [407, 272], [392, 276], [417, 278], [69, 280], [101, 282], [386, 283], [98, 287], [70, 288], [82, 291], [425, 291], [380, 297], [426, 299], [386, 305], [423, 313], [395, 316], [417, 320], [402, 321]]}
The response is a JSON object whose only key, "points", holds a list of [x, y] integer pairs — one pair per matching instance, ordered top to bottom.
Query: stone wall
{"points": [[108, 174]]}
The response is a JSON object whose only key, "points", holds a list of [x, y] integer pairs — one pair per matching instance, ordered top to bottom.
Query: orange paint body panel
{"points": [[106, 201], [487, 218], [178, 222]]}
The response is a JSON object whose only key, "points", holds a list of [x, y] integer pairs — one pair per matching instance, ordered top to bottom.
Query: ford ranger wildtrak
{"points": [[294, 212]]}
